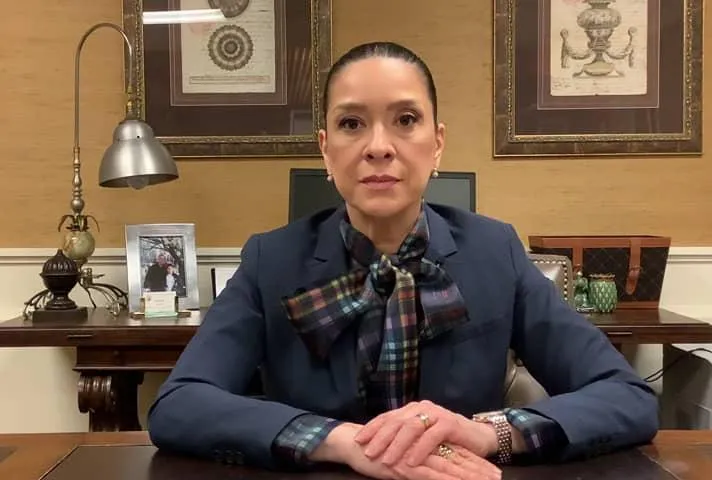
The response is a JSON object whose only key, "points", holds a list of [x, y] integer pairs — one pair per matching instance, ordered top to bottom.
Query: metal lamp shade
{"points": [[136, 158]]}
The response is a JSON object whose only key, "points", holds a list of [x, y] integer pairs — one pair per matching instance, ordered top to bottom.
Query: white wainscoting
{"points": [[38, 387]]}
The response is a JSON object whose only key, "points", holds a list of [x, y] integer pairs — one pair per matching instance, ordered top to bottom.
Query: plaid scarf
{"points": [[385, 296]]}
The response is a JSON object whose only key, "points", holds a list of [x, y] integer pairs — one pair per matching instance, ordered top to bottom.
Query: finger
{"points": [[371, 428], [412, 429], [383, 437], [429, 442], [467, 454], [472, 462], [463, 468], [422, 472], [398, 475]]}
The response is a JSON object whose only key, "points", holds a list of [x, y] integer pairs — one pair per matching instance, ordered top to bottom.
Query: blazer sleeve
{"points": [[595, 395], [200, 409]]}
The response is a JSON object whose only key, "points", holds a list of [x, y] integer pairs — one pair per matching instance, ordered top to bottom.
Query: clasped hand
{"points": [[425, 441]]}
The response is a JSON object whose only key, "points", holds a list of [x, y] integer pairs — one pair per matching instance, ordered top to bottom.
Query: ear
{"points": [[439, 143], [324, 150]]}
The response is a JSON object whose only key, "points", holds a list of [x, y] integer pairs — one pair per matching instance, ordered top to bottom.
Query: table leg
{"points": [[110, 399]]}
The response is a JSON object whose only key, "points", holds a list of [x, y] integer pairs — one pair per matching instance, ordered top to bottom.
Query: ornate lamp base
{"points": [[39, 306], [47, 315]]}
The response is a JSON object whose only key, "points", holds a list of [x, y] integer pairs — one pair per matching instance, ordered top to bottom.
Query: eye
{"points": [[407, 119], [349, 123]]}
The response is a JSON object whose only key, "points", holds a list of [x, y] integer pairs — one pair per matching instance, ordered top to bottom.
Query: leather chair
{"points": [[520, 388]]}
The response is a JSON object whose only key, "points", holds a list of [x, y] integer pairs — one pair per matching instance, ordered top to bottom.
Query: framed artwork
{"points": [[597, 77], [231, 78], [162, 258]]}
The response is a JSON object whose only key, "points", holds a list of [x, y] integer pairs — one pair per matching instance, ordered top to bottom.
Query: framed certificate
{"points": [[231, 78]]}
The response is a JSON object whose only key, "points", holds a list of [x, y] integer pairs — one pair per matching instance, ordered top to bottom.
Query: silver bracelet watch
{"points": [[503, 431]]}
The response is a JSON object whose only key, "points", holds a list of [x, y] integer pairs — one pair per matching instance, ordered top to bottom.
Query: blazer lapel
{"points": [[441, 245], [330, 260], [435, 355]]}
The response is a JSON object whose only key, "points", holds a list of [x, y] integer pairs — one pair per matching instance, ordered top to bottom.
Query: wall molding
{"points": [[680, 255], [111, 256], [231, 256]]}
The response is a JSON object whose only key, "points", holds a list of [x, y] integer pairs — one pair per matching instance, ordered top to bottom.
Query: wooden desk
{"points": [[113, 353], [683, 455]]}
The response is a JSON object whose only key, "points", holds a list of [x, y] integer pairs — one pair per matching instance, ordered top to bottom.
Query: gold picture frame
{"points": [[247, 84], [559, 93]]}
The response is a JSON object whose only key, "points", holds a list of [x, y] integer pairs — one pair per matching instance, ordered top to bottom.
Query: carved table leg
{"points": [[111, 400]]}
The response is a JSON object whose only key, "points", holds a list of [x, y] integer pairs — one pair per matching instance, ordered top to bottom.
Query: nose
{"points": [[379, 146]]}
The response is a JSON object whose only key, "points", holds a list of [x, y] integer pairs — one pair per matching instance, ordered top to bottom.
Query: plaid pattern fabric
{"points": [[383, 294], [543, 436], [301, 437]]}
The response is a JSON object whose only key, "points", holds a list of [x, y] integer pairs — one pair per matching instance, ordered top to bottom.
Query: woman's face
{"points": [[382, 144]]}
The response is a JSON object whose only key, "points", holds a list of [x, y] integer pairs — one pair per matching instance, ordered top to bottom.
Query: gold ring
{"points": [[424, 419], [445, 451]]}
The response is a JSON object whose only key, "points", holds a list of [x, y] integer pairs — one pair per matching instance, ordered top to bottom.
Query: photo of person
{"points": [[162, 258], [163, 264]]}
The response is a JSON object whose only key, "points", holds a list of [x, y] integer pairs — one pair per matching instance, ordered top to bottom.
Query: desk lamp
{"points": [[135, 159]]}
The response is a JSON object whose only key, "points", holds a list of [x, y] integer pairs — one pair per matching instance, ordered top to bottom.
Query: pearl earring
{"points": [[435, 173], [329, 177]]}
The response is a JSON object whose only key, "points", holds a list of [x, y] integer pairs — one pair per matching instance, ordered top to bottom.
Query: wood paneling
{"points": [[230, 199]]}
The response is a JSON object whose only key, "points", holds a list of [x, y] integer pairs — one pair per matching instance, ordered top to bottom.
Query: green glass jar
{"points": [[603, 294]]}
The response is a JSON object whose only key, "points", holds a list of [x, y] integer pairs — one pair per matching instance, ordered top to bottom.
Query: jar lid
{"points": [[602, 276]]}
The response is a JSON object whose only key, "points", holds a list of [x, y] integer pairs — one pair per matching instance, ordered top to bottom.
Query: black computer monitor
{"points": [[309, 191]]}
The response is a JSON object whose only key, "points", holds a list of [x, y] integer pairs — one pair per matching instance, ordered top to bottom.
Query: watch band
{"points": [[503, 431]]}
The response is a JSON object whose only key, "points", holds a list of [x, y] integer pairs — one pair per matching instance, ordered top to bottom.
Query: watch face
{"points": [[488, 417]]}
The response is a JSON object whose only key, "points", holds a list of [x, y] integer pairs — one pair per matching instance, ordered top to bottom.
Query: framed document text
{"points": [[597, 77], [231, 78]]}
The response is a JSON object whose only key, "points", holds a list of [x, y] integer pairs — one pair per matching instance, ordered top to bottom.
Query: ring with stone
{"points": [[424, 419], [445, 451]]}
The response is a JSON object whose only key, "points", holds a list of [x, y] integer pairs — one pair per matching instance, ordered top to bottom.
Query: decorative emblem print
{"points": [[230, 8], [230, 47]]}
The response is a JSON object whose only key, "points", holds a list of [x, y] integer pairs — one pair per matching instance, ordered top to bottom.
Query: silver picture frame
{"points": [[162, 257]]}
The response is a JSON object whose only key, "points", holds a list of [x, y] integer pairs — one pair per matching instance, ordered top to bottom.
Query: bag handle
{"points": [[577, 259], [633, 263], [633, 266]]}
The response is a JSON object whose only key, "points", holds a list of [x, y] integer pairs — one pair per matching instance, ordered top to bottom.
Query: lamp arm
{"points": [[77, 203]]}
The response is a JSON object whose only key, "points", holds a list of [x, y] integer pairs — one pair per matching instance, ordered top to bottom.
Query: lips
{"points": [[379, 179], [379, 183]]}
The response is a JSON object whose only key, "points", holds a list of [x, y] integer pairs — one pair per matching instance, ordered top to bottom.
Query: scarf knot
{"points": [[394, 300]]}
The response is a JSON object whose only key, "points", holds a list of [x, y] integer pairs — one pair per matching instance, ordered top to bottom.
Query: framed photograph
{"points": [[597, 77], [231, 78], [162, 258]]}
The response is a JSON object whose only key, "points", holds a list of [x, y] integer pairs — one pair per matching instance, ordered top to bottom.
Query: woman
{"points": [[382, 329]]}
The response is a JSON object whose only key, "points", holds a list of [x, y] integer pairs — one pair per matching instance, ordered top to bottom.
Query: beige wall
{"points": [[587, 196]]}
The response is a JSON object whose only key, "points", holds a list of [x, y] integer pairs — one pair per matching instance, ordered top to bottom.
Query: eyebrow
{"points": [[359, 106]]}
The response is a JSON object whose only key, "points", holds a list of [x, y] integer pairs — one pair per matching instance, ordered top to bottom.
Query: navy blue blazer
{"points": [[201, 409]]}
